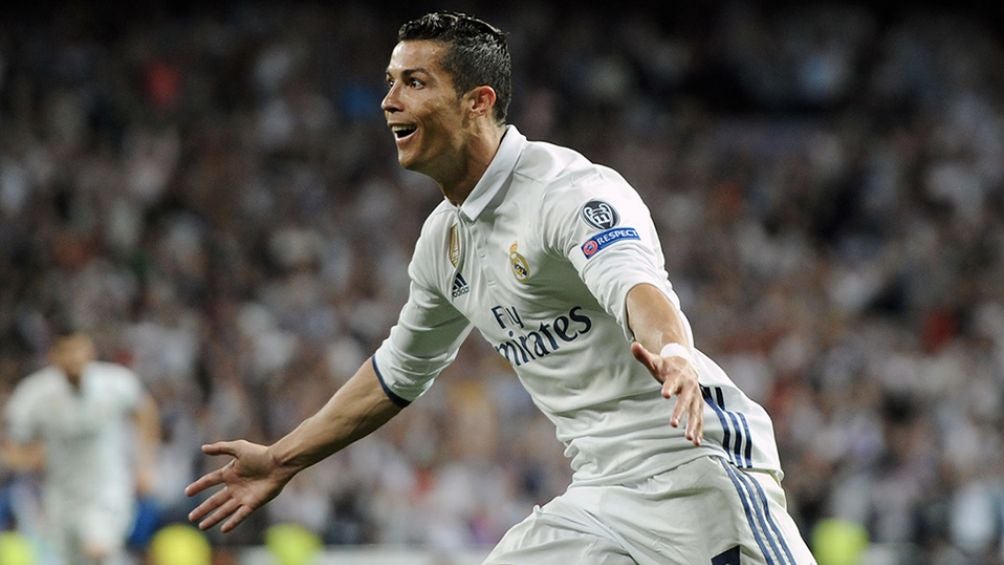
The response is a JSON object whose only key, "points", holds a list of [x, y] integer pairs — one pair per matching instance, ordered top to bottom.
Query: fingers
{"points": [[645, 357], [676, 375], [678, 379], [670, 387], [681, 403], [689, 405], [692, 407], [695, 423], [221, 448], [215, 477], [208, 480], [208, 505], [223, 505], [217, 516], [236, 518]]}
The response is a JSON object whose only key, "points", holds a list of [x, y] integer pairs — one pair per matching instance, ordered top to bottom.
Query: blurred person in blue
{"points": [[556, 261], [93, 429]]}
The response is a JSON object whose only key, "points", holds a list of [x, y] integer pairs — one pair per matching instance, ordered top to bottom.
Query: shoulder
{"points": [[546, 163], [565, 175], [595, 188], [113, 370], [114, 375], [118, 382], [36, 386]]}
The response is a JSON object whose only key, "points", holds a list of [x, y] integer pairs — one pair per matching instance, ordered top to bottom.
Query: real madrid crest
{"points": [[453, 249], [520, 267]]}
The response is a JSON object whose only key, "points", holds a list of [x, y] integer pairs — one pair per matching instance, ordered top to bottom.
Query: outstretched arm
{"points": [[662, 346], [147, 418], [22, 458], [257, 473]]}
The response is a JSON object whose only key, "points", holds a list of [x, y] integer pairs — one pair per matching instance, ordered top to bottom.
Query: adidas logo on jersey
{"points": [[460, 286]]}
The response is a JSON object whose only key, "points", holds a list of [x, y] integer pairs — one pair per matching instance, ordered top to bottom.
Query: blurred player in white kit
{"points": [[556, 262], [94, 430]]}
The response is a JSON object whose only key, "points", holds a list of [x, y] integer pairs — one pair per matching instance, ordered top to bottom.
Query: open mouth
{"points": [[403, 131]]}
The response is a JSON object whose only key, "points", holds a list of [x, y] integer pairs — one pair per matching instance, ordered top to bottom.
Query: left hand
{"points": [[679, 378], [250, 479]]}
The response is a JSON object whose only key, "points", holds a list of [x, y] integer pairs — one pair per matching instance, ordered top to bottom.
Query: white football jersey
{"points": [[540, 258], [86, 433]]}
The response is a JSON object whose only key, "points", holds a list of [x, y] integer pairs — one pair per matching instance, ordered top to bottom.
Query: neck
{"points": [[458, 182], [75, 379]]}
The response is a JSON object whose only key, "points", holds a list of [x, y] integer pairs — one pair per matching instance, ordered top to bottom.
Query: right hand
{"points": [[678, 378], [249, 480]]}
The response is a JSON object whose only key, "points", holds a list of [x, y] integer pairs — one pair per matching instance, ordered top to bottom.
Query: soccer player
{"points": [[556, 262], [77, 419]]}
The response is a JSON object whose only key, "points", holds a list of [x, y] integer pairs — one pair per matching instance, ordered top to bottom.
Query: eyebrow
{"points": [[408, 72]]}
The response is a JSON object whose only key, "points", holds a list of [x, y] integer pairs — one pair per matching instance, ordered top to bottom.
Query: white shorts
{"points": [[704, 511], [75, 531]]}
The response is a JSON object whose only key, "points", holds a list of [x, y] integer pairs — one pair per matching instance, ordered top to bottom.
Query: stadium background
{"points": [[212, 193]]}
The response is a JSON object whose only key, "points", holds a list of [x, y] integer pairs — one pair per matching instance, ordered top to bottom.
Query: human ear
{"points": [[482, 101]]}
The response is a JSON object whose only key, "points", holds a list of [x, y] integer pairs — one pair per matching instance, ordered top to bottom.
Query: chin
{"points": [[403, 160], [409, 164]]}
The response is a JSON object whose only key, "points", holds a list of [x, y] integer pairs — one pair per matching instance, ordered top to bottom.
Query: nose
{"points": [[391, 101]]}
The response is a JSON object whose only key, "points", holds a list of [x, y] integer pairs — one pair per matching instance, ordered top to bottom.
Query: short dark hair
{"points": [[478, 53], [62, 325]]}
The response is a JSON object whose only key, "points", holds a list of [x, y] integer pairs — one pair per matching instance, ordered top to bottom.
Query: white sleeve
{"points": [[603, 228], [424, 341], [22, 418]]}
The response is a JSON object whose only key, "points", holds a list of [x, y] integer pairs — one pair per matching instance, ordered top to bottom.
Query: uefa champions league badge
{"points": [[599, 214], [520, 266]]}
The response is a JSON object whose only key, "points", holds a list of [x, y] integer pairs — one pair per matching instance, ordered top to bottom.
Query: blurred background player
{"points": [[76, 419]]}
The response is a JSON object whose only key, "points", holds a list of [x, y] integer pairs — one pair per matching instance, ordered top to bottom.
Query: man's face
{"points": [[422, 107], [73, 353]]}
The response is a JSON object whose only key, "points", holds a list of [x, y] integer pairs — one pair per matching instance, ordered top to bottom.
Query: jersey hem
{"points": [[634, 476]]}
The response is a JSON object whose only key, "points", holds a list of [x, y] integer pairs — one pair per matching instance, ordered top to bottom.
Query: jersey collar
{"points": [[495, 177]]}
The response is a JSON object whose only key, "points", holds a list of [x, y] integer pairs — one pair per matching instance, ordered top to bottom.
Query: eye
{"points": [[415, 83]]}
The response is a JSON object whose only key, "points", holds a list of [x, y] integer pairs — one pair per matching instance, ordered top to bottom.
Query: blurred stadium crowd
{"points": [[213, 195]]}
